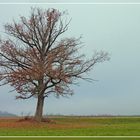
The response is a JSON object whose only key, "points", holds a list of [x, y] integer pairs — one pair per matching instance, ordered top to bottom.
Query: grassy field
{"points": [[72, 126]]}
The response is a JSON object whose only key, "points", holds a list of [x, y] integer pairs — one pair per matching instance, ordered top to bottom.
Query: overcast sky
{"points": [[70, 1], [113, 28]]}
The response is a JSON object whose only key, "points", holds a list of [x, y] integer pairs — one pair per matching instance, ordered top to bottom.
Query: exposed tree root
{"points": [[31, 119]]}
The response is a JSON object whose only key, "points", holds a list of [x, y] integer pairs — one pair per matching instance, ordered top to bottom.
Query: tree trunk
{"points": [[39, 108]]}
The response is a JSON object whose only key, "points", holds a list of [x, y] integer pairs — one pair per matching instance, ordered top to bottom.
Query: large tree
{"points": [[37, 62]]}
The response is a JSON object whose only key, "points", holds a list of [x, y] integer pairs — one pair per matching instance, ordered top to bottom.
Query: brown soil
{"points": [[32, 120], [28, 122]]}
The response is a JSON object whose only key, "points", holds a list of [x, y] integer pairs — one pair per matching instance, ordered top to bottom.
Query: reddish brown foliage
{"points": [[37, 63]]}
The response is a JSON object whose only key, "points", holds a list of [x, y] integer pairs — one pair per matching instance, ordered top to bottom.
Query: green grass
{"points": [[79, 126]]}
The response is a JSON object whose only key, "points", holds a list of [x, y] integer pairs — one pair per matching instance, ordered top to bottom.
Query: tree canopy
{"points": [[36, 61]]}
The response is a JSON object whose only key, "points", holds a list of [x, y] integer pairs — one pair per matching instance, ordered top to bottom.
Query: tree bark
{"points": [[39, 108]]}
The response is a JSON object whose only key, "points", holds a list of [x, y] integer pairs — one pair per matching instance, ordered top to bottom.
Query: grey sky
{"points": [[75, 1], [113, 28]]}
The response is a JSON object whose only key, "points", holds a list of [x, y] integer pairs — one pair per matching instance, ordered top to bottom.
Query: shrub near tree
{"points": [[37, 62]]}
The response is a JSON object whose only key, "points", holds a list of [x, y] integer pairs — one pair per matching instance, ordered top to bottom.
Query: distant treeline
{"points": [[6, 114], [104, 115]]}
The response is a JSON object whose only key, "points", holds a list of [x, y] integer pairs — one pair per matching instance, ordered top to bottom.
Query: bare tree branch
{"points": [[37, 62]]}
